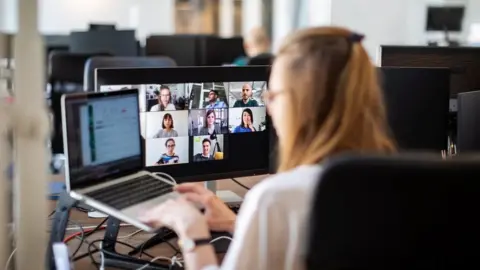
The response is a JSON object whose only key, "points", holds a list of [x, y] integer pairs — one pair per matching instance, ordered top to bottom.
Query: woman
{"points": [[164, 97], [324, 100], [247, 122], [210, 126], [167, 128], [169, 157]]}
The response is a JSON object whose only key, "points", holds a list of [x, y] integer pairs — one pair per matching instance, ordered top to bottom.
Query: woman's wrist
{"points": [[197, 231]]}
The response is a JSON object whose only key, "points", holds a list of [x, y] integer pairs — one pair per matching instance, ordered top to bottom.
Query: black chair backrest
{"points": [[264, 59], [121, 62], [64, 68], [396, 213]]}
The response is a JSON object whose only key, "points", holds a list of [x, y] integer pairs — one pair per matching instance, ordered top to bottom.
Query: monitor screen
{"points": [[445, 18], [192, 122], [200, 123], [97, 128], [201, 130]]}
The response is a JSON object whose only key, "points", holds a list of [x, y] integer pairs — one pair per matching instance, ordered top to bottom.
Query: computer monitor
{"points": [[447, 18], [114, 42], [464, 63], [416, 101], [468, 122], [190, 137]]}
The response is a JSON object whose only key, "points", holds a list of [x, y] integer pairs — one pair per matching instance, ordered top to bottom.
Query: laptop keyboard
{"points": [[131, 192]]}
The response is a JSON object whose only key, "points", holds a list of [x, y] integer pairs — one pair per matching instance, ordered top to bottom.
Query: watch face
{"points": [[187, 244]]}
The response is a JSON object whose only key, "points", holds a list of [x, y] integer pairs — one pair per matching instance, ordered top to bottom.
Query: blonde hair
{"points": [[334, 98]]}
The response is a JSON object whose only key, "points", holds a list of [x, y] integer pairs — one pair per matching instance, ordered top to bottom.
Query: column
{"points": [[251, 15], [227, 18], [283, 20], [31, 162], [5, 202]]}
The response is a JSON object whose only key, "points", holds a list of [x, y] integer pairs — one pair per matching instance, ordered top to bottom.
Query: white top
{"points": [[156, 108], [271, 225]]}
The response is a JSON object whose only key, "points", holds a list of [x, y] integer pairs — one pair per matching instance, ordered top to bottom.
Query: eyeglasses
{"points": [[245, 89], [164, 95], [269, 95], [170, 145]]}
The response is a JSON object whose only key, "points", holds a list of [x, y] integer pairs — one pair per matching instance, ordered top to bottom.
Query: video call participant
{"points": [[322, 71], [164, 97], [247, 100], [213, 102], [247, 122], [210, 126], [167, 128], [205, 155], [169, 157]]}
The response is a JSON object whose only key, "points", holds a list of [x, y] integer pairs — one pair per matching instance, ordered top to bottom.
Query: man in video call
{"points": [[247, 100], [214, 102], [205, 155], [169, 157]]}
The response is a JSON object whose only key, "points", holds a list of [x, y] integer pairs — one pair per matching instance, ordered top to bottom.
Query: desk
{"points": [[160, 250]]}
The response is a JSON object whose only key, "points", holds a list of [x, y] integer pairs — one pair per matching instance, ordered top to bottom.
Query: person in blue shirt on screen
{"points": [[214, 102], [247, 122], [170, 157]]}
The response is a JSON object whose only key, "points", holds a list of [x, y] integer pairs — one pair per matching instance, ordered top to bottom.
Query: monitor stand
{"points": [[228, 196]]}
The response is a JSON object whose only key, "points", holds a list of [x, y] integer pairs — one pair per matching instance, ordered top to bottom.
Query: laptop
{"points": [[104, 156]]}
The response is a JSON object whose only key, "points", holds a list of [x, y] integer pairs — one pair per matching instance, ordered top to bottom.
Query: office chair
{"points": [[264, 59], [121, 62], [65, 75], [395, 212]]}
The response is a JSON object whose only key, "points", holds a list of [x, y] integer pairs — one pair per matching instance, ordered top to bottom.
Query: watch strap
{"points": [[201, 242]]}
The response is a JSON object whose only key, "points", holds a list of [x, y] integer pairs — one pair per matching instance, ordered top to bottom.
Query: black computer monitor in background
{"points": [[447, 18], [101, 27], [116, 43], [183, 49], [464, 63], [416, 101], [468, 122], [237, 150]]}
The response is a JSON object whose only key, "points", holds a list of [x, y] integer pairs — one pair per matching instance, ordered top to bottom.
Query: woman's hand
{"points": [[181, 216], [219, 217]]}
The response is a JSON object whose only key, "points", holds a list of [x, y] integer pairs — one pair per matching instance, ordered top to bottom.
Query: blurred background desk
{"points": [[79, 218]]}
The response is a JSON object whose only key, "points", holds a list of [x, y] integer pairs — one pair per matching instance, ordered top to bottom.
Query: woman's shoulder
{"points": [[170, 107], [299, 181]]}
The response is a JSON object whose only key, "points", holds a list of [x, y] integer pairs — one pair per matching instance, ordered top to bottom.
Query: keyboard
{"points": [[131, 192]]}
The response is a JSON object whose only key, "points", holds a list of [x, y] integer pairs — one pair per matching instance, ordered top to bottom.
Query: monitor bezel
{"points": [[172, 75]]}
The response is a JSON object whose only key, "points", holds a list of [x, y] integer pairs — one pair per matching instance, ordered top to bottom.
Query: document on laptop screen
{"points": [[106, 124]]}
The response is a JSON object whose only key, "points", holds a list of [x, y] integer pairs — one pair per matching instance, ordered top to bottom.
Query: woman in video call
{"points": [[164, 97], [324, 99], [247, 122], [210, 126], [167, 128], [169, 157]]}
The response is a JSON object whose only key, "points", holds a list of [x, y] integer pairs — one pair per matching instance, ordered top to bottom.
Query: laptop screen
{"points": [[103, 136]]}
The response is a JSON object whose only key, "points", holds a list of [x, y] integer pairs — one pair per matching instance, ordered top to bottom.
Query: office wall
{"points": [[147, 16], [387, 22]]}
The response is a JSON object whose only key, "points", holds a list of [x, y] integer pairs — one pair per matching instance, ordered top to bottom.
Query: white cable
{"points": [[167, 176], [130, 235], [220, 238], [102, 257], [10, 259], [155, 259], [177, 261]]}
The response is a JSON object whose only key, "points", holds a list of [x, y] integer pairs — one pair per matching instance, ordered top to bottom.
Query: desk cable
{"points": [[240, 184], [176, 260]]}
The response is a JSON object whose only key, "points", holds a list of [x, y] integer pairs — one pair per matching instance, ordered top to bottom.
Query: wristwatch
{"points": [[188, 245]]}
